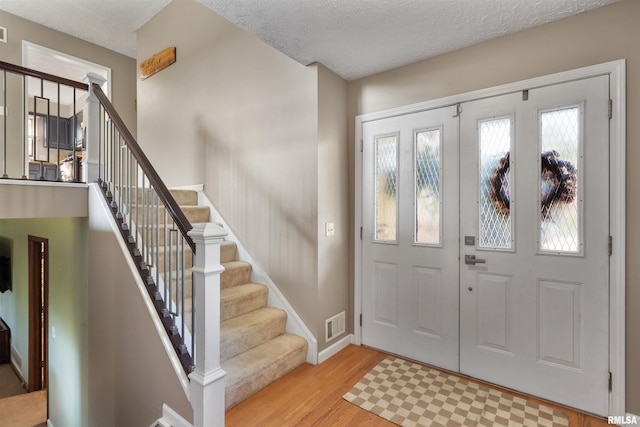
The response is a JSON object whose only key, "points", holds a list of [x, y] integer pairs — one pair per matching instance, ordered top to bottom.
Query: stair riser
{"points": [[182, 197], [185, 197], [187, 200], [196, 214], [146, 217], [162, 234], [228, 252], [174, 259], [236, 276], [244, 303], [229, 308], [232, 344], [250, 384]]}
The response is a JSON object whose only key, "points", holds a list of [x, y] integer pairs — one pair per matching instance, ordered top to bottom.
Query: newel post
{"points": [[91, 169], [207, 380]]}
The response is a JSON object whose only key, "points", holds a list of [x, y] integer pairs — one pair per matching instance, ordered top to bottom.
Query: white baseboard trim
{"points": [[335, 348], [16, 361], [18, 372], [172, 418], [49, 423]]}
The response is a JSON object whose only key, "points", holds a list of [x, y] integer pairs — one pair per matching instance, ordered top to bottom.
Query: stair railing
{"points": [[44, 141], [153, 225], [175, 259]]}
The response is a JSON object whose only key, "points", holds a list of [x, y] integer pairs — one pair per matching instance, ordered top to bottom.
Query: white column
{"points": [[91, 164], [207, 381]]}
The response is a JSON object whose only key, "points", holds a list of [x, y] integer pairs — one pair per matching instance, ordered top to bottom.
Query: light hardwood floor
{"points": [[312, 396], [17, 407], [24, 410]]}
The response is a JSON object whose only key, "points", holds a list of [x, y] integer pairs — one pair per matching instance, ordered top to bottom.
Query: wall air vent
{"points": [[334, 327]]}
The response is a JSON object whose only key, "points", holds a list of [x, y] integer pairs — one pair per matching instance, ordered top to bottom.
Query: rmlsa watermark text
{"points": [[623, 420]]}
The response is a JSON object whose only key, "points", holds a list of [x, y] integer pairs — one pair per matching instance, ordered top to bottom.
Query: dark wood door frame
{"points": [[38, 312]]}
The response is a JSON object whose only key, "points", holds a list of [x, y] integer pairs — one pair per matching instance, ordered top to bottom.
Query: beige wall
{"points": [[602, 35], [123, 71], [242, 118], [333, 198], [28, 199], [68, 363], [130, 375]]}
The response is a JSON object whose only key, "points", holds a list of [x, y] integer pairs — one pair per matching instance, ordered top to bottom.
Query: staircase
{"points": [[255, 348]]}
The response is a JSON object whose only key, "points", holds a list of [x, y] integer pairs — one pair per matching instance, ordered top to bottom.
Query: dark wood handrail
{"points": [[40, 75], [163, 192]]}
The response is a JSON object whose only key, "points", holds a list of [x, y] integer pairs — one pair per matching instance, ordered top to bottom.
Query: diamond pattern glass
{"points": [[560, 143], [427, 185], [386, 188], [495, 225]]}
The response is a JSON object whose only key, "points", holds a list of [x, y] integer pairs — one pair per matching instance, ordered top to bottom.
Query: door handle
{"points": [[472, 260]]}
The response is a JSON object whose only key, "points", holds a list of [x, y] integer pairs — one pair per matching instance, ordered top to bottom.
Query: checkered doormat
{"points": [[409, 394]]}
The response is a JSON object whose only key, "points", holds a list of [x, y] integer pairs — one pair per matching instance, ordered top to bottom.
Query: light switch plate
{"points": [[329, 229]]}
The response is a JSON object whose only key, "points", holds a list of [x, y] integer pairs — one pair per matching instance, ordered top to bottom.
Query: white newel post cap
{"points": [[91, 78], [207, 232]]}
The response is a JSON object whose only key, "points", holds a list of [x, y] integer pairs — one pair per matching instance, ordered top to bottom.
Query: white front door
{"points": [[519, 184], [534, 205], [410, 236]]}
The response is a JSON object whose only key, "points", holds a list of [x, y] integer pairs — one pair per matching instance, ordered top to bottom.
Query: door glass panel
{"points": [[560, 146], [427, 185], [386, 188], [495, 224]]}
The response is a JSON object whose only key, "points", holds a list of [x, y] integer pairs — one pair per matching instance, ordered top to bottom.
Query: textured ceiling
{"points": [[108, 23], [354, 38]]}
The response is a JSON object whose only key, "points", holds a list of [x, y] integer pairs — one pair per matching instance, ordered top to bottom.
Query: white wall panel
{"points": [[427, 282], [386, 289], [493, 314], [559, 323]]}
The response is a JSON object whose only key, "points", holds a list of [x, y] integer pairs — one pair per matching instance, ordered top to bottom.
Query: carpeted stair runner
{"points": [[255, 348]]}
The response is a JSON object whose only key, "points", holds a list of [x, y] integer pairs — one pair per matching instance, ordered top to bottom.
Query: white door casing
{"points": [[410, 236], [616, 275], [535, 311]]}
